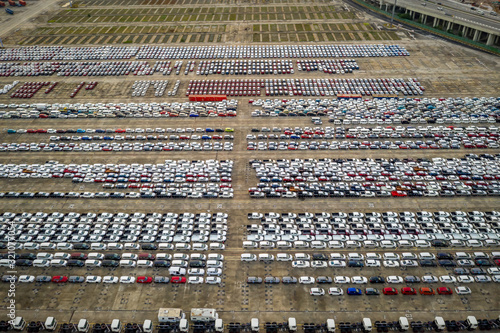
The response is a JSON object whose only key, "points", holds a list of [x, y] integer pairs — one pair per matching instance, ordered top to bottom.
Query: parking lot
{"points": [[281, 63]]}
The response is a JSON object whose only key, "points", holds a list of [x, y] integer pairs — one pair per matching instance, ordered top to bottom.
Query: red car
{"points": [[398, 194], [59, 279], [144, 279], [178, 279], [390, 291], [408, 291], [444, 291]]}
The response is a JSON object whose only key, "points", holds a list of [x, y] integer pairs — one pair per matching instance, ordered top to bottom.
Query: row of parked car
{"points": [[271, 51], [39, 53], [330, 66], [245, 67], [305, 87], [140, 88], [225, 108], [386, 111], [126, 131], [378, 132], [445, 142], [114, 147], [174, 171], [386, 230], [110, 279], [335, 291]]}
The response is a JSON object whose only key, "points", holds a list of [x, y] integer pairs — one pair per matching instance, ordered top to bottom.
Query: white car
{"points": [[422, 243], [388, 244], [372, 255], [336, 263], [372, 263], [391, 263], [409, 263], [301, 264], [319, 264], [196, 272], [214, 272], [482, 278], [495, 278], [26, 279], [93, 279], [110, 279], [127, 279], [342, 279], [394, 279], [429, 279], [447, 279], [465, 279], [195, 280], [213, 280], [307, 280], [359, 280], [463, 290], [335, 291], [317, 292]]}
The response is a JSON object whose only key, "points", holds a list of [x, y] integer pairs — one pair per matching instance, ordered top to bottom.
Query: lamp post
{"points": [[393, 10]]}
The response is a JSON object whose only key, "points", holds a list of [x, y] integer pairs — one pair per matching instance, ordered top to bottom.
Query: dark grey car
{"points": [[76, 279]]}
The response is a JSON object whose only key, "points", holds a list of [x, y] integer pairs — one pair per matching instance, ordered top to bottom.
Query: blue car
{"points": [[354, 291]]}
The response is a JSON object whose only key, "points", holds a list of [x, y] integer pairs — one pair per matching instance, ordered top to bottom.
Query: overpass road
{"points": [[457, 12]]}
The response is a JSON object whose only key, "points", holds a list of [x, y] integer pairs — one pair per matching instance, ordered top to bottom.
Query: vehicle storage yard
{"points": [[92, 139]]}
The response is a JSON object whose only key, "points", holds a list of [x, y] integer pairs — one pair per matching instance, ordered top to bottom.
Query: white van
{"points": [[250, 245], [266, 245], [283, 245], [301, 245], [47, 246], [64, 246], [98, 246], [115, 246], [131, 246], [165, 246], [216, 246], [45, 255], [61, 256], [95, 256], [129, 256], [163, 256], [181, 256], [196, 256], [215, 256], [302, 256], [248, 257], [266, 257], [284, 257], [6, 262], [41, 263], [58, 263], [92, 263], [127, 263], [144, 263], [180, 263], [214, 264], [177, 271]]}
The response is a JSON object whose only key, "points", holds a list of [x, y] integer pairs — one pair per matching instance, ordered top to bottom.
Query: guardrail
{"points": [[434, 31]]}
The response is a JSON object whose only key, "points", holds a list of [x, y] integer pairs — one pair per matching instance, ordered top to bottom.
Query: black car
{"points": [[439, 243], [81, 246], [150, 247], [443, 255], [30, 256], [112, 256], [319, 256], [24, 262], [479, 262], [75, 263], [110, 263], [162, 263], [197, 263], [355, 263], [428, 263], [447, 263], [461, 271], [478, 271], [9, 278], [324, 279], [377, 279], [412, 279], [254, 280], [288, 280]]}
